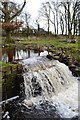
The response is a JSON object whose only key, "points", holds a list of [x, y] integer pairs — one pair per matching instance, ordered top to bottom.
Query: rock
{"points": [[73, 41], [45, 53], [50, 57], [56, 57], [15, 62], [77, 63], [72, 66], [75, 70], [78, 78], [34, 79], [37, 89], [28, 103], [75, 118]]}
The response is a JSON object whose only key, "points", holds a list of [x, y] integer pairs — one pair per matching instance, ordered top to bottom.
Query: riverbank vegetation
{"points": [[58, 42], [53, 43], [11, 76]]}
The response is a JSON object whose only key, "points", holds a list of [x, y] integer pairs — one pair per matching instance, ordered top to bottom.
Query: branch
{"points": [[63, 3], [2, 10], [19, 11], [74, 12], [52, 22]]}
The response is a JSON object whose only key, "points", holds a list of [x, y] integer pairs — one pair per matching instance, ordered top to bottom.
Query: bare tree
{"points": [[55, 8], [10, 11], [45, 12], [71, 13], [54, 15], [62, 15], [78, 16], [27, 19], [62, 23], [38, 25]]}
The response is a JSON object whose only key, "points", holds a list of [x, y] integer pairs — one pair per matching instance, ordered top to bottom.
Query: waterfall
{"points": [[51, 80]]}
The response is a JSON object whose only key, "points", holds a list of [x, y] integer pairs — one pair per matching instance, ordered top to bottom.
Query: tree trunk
{"points": [[9, 16], [49, 21], [57, 21], [66, 22], [69, 24], [54, 25], [48, 26], [74, 27], [79, 27], [27, 31], [62, 31], [8, 36]]}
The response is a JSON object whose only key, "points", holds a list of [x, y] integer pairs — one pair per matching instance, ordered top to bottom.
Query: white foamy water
{"points": [[52, 81], [67, 101]]}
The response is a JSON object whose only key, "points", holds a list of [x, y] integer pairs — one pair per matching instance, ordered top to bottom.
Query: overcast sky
{"points": [[32, 6]]}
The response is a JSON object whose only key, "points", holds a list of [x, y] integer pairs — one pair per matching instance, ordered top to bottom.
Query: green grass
{"points": [[0, 39], [56, 42], [73, 49], [5, 64], [0, 77]]}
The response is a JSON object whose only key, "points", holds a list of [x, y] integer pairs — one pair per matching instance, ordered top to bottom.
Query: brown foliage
{"points": [[12, 25]]}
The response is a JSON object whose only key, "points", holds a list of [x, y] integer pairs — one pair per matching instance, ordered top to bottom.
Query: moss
{"points": [[5, 64], [11, 68], [11, 77], [11, 85]]}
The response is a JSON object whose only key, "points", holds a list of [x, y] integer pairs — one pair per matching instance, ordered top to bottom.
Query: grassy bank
{"points": [[56, 41], [59, 42], [5, 64]]}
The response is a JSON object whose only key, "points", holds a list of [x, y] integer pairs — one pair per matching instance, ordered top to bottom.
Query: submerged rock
{"points": [[75, 70], [28, 103]]}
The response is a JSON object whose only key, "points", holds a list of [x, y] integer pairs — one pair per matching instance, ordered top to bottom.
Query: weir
{"points": [[46, 78], [51, 80]]}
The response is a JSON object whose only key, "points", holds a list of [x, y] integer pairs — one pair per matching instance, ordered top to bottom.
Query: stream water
{"points": [[16, 54], [52, 81], [51, 91]]}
